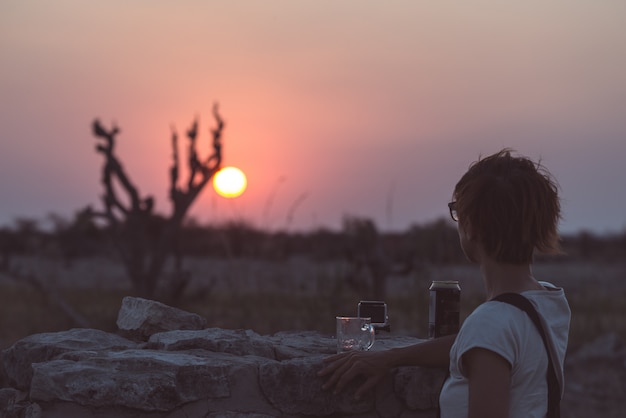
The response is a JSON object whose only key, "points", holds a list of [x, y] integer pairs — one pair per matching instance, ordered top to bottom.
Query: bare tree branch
{"points": [[205, 171], [131, 226]]}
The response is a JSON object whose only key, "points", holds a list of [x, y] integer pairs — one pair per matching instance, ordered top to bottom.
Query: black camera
{"points": [[377, 311]]}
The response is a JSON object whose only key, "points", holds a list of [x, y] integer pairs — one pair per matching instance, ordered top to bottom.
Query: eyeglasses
{"points": [[453, 214]]}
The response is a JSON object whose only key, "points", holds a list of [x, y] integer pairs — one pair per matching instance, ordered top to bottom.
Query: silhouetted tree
{"points": [[143, 239]]}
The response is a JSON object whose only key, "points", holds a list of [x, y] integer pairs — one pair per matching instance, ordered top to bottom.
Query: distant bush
{"points": [[432, 243]]}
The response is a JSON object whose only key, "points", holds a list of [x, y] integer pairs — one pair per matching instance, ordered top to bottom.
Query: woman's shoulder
{"points": [[495, 310], [494, 317], [496, 326]]}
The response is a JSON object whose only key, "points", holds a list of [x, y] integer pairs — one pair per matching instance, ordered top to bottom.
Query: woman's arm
{"points": [[373, 365], [489, 376]]}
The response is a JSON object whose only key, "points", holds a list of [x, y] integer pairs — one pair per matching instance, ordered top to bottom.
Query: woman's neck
{"points": [[507, 278]]}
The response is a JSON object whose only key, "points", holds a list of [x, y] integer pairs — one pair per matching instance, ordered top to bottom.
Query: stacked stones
{"points": [[164, 362]]}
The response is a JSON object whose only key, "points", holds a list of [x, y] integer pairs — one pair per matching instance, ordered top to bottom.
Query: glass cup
{"points": [[354, 333]]}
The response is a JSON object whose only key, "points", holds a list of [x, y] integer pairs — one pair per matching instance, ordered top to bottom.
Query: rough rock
{"points": [[140, 318], [238, 342], [288, 345], [18, 358], [209, 372], [240, 374], [133, 378], [293, 387], [409, 387], [12, 401]]}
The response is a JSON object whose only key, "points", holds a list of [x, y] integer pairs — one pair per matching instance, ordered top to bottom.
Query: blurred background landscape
{"points": [[352, 120], [242, 277]]}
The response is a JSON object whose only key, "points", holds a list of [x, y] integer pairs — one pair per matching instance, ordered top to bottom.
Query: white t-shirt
{"points": [[509, 332]]}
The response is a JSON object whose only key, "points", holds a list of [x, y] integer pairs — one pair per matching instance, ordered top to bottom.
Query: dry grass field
{"points": [[296, 294]]}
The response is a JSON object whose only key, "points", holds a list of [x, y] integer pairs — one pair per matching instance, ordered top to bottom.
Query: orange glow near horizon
{"points": [[230, 182]]}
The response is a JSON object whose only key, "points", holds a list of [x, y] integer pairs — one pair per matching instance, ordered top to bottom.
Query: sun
{"points": [[229, 182]]}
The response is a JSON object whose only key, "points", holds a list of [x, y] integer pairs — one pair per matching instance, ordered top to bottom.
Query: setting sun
{"points": [[230, 182]]}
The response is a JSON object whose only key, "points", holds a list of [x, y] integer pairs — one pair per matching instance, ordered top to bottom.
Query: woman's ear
{"points": [[466, 232]]}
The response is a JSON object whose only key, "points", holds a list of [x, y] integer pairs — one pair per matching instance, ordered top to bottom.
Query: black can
{"points": [[444, 308]]}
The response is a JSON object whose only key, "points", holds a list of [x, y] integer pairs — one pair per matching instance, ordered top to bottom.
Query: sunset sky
{"points": [[332, 108]]}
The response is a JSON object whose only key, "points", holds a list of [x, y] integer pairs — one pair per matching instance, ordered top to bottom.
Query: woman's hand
{"points": [[343, 368]]}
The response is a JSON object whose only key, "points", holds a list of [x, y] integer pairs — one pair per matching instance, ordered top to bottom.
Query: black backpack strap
{"points": [[554, 391]]}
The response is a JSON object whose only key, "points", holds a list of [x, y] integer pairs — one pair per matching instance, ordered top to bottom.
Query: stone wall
{"points": [[165, 363]]}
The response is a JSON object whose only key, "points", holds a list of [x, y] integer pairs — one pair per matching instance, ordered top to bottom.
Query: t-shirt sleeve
{"points": [[492, 327]]}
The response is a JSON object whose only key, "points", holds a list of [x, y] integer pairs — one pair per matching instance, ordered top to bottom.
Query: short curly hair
{"points": [[510, 204]]}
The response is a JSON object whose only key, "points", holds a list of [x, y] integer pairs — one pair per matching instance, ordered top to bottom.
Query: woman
{"points": [[506, 207]]}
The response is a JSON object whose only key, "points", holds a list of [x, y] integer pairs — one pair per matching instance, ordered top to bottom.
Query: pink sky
{"points": [[356, 107]]}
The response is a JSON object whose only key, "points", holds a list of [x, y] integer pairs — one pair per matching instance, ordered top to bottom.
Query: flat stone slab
{"points": [[238, 342], [37, 348], [144, 379]]}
